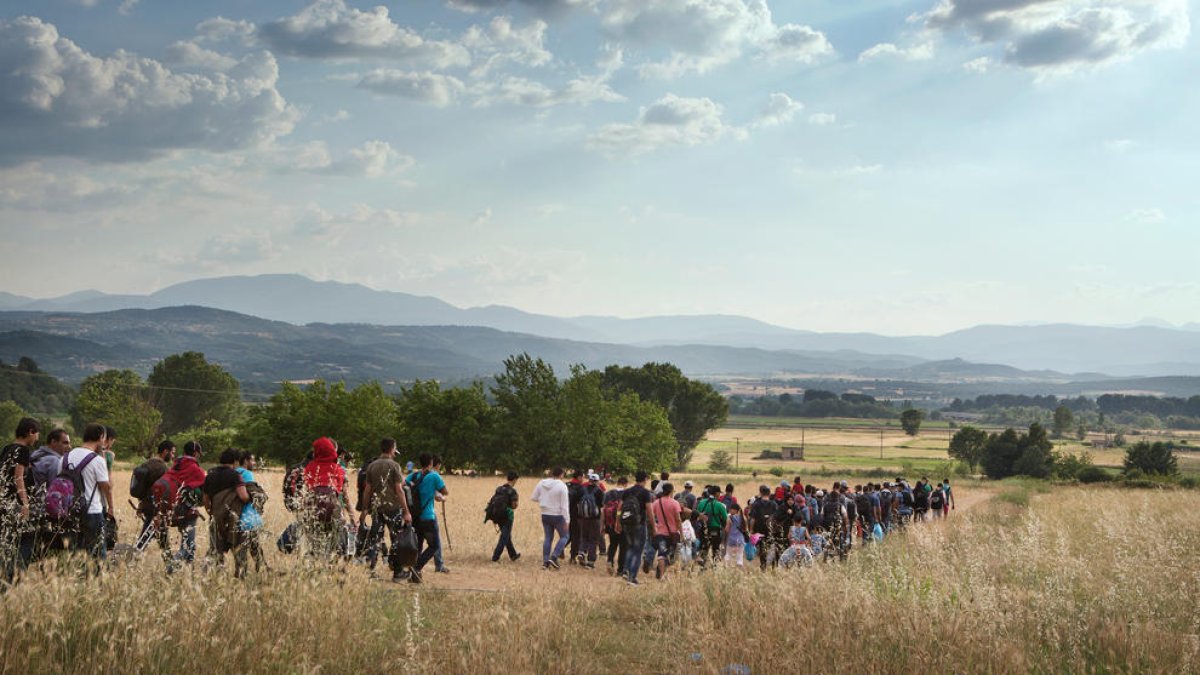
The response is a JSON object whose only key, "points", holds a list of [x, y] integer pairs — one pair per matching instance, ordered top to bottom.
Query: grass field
{"points": [[1108, 588]]}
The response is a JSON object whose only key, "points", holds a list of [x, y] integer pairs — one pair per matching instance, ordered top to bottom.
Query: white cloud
{"points": [[543, 6], [220, 29], [328, 29], [703, 34], [1061, 36], [501, 42], [920, 52], [188, 54], [978, 65], [426, 87], [521, 91], [62, 101], [780, 110], [339, 116], [822, 119], [670, 121], [373, 159], [1150, 216], [231, 249]]}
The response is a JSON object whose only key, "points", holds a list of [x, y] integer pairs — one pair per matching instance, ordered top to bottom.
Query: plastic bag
{"points": [[251, 520], [404, 549], [751, 551]]}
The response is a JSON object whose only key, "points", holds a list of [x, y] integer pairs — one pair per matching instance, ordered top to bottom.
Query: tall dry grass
{"points": [[1080, 580]]}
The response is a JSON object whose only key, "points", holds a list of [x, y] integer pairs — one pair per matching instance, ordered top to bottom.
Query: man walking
{"points": [[88, 459], [426, 484], [383, 496], [506, 496], [551, 496], [635, 502], [590, 527], [16, 530]]}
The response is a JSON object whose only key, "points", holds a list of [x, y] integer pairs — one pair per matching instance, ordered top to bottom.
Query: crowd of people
{"points": [[60, 498], [650, 526]]}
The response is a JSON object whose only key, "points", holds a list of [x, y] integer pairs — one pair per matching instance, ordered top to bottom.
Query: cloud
{"points": [[542, 6], [220, 29], [328, 29], [703, 34], [1061, 36], [501, 42], [920, 52], [188, 54], [980, 65], [425, 87], [520, 91], [59, 100], [780, 110], [822, 119], [670, 121], [373, 159], [1151, 216], [331, 229], [231, 249]]}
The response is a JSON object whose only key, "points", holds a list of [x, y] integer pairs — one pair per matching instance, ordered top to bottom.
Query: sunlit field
{"points": [[1073, 580]]}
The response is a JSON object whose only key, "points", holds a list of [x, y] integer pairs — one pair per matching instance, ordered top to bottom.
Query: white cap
{"points": [[593, 476]]}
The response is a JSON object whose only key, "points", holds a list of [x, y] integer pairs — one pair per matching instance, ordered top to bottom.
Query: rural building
{"points": [[792, 452]]}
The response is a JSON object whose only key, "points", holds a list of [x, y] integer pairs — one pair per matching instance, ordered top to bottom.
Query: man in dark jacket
{"points": [[155, 467]]}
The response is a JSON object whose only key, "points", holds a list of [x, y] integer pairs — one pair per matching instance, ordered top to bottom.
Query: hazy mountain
{"points": [[1134, 350]]}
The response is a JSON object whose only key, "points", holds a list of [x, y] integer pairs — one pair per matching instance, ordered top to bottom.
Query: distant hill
{"points": [[74, 345], [1138, 350], [36, 392]]}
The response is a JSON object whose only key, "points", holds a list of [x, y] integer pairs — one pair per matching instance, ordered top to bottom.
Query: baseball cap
{"points": [[593, 476], [688, 483]]}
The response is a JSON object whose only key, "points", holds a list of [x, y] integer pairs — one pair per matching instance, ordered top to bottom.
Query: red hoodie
{"points": [[324, 470], [187, 472]]}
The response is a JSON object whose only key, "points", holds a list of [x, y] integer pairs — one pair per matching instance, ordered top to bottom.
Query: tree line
{"points": [[813, 403], [621, 418]]}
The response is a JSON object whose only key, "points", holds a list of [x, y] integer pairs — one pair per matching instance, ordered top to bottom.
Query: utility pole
{"points": [[737, 453]]}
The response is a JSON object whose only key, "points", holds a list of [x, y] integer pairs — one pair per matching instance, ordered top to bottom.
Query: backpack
{"points": [[361, 482], [139, 484], [293, 487], [574, 493], [412, 494], [64, 495], [935, 499], [174, 503], [323, 503], [587, 504], [863, 505], [612, 506], [497, 507], [711, 512], [632, 513]]}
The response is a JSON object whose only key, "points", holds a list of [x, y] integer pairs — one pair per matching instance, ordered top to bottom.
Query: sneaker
{"points": [[516, 557], [581, 559], [495, 560], [553, 564], [589, 565], [443, 570], [611, 570], [658, 571], [414, 577], [399, 578], [632, 583]]}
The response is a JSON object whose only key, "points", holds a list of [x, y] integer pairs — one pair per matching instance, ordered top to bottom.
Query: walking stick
{"points": [[446, 523]]}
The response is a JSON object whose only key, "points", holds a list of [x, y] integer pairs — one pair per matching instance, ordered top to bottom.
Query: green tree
{"points": [[190, 391], [119, 399], [692, 407], [529, 412], [10, 417], [1064, 419], [911, 420], [456, 424], [1081, 433], [643, 434], [968, 446], [1001, 453], [1037, 454], [1152, 458], [720, 461]]}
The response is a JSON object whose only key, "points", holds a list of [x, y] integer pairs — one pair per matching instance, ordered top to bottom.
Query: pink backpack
{"points": [[64, 494]]}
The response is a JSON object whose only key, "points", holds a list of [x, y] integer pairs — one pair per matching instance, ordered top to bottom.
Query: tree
{"points": [[190, 391], [119, 399], [693, 408], [529, 414], [10, 417], [1064, 419], [911, 421], [455, 423], [1081, 433], [968, 446], [1000, 454], [1037, 454], [1157, 458], [720, 461]]}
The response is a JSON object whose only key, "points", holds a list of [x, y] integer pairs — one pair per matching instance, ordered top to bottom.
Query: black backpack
{"points": [[139, 484], [574, 493], [935, 499], [863, 504], [497, 507], [588, 508], [632, 511]]}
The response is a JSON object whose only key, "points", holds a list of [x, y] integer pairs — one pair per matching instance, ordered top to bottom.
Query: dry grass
{"points": [[1083, 580]]}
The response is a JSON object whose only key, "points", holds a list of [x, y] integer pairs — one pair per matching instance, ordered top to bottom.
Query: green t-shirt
{"points": [[716, 512]]}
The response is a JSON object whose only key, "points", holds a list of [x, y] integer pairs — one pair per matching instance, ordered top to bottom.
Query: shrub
{"points": [[770, 454], [720, 461], [776, 471], [1092, 474]]}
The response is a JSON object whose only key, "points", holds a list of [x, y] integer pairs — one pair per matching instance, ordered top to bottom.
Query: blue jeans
{"points": [[550, 525], [429, 538], [187, 542], [505, 542], [635, 542]]}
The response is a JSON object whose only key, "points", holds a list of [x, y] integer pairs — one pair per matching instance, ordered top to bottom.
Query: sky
{"points": [[893, 166]]}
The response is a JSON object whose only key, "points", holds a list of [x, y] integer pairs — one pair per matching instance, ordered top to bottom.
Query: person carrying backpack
{"points": [[85, 476], [141, 486], [427, 487], [574, 492], [224, 496], [386, 496], [177, 498], [324, 499], [937, 501], [500, 510], [588, 513], [761, 514], [16, 517], [610, 518], [713, 518], [251, 522], [632, 524], [668, 527]]}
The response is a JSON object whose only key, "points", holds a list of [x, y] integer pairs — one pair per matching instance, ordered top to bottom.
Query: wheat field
{"points": [[1069, 580]]}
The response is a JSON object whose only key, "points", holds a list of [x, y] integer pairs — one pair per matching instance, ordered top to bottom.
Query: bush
{"points": [[770, 454], [720, 461], [776, 471], [1092, 474], [1189, 482]]}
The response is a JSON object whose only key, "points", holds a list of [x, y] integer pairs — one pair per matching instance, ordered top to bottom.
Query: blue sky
{"points": [[896, 166]]}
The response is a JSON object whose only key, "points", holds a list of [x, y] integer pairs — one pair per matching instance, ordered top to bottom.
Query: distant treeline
{"points": [[34, 391], [813, 403], [1145, 412]]}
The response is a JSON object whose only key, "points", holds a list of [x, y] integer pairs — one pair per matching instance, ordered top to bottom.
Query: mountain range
{"points": [[1139, 350]]}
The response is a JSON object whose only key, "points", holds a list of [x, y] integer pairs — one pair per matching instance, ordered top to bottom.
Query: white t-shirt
{"points": [[95, 472]]}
